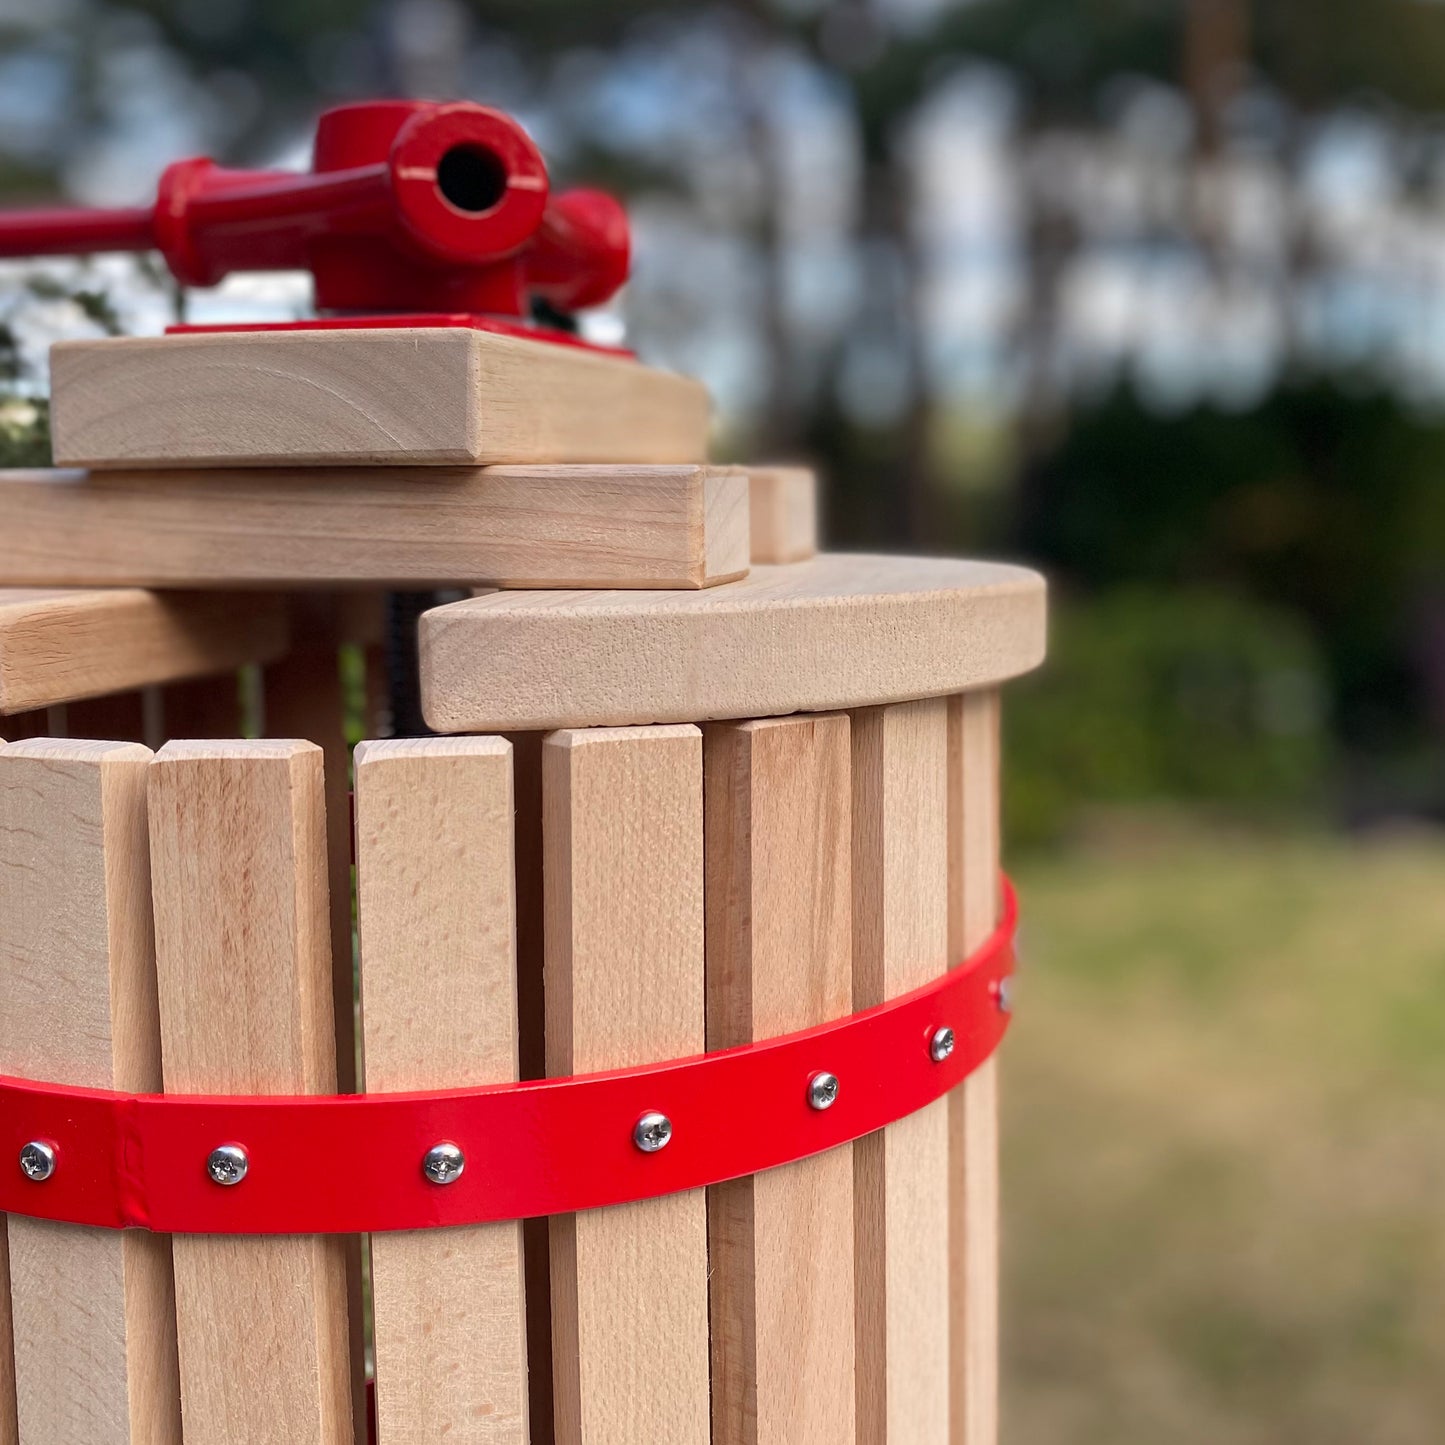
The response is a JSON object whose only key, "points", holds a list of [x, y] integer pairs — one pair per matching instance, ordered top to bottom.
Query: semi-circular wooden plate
{"points": [[836, 631]]}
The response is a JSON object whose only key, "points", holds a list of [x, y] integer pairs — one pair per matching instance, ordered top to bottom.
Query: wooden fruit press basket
{"points": [[647, 1096]]}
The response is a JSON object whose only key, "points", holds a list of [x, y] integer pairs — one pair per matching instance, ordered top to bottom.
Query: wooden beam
{"points": [[403, 395], [783, 502], [596, 526], [834, 632], [61, 646], [238, 852], [973, 890], [779, 910], [624, 987], [439, 1010], [901, 1199], [93, 1310]]}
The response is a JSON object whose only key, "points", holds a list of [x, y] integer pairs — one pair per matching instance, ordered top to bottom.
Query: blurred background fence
{"points": [[1149, 292]]}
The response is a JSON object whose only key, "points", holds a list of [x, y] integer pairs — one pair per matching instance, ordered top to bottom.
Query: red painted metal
{"points": [[410, 206], [352, 1164]]}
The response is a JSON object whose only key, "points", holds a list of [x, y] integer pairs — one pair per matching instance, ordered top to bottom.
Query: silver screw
{"points": [[1004, 995], [940, 1046], [823, 1091], [652, 1132], [37, 1161], [443, 1163], [227, 1165]]}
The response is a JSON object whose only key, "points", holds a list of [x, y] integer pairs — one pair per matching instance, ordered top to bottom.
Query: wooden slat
{"points": [[400, 395], [783, 502], [682, 527], [833, 632], [57, 647], [973, 870], [239, 881], [624, 906], [779, 910], [900, 941], [439, 1010], [94, 1315], [9, 1431]]}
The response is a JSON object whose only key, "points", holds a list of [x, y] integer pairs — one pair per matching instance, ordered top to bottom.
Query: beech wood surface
{"points": [[397, 395], [783, 502], [624, 986]]}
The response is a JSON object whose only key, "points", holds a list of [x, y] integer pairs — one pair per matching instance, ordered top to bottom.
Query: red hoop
{"points": [[352, 1164]]}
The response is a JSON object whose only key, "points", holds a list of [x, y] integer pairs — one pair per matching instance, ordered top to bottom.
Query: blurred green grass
{"points": [[1224, 1143]]}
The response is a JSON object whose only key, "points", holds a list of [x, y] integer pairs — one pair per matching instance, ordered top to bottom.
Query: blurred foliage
{"points": [[1324, 499], [1165, 693]]}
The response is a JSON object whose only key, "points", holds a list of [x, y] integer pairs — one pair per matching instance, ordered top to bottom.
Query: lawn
{"points": [[1224, 1156]]}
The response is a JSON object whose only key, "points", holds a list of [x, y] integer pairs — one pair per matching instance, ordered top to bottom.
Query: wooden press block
{"points": [[392, 396], [784, 506], [682, 526], [836, 631], [57, 647], [622, 831], [434, 859], [238, 864], [779, 912], [973, 1139], [901, 1197], [93, 1309]]}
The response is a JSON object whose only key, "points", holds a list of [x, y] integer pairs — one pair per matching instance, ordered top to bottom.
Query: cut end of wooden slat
{"points": [[784, 510]]}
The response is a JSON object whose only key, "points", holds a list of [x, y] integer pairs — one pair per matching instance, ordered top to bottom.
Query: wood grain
{"points": [[397, 395], [783, 502], [680, 527], [837, 631], [60, 646], [239, 881], [779, 911], [624, 912], [439, 1010], [973, 1190], [901, 1199], [93, 1310], [9, 1429]]}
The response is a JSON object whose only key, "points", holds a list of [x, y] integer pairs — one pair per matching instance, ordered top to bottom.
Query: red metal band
{"points": [[352, 1163]]}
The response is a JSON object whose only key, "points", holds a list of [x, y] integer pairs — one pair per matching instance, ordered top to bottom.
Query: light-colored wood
{"points": [[398, 395], [783, 502], [598, 526], [836, 631], [57, 647], [434, 858], [238, 859], [624, 909], [779, 910], [900, 941], [973, 1141], [93, 1310], [9, 1431]]}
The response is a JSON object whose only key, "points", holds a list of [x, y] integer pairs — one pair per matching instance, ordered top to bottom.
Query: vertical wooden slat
{"points": [[973, 870], [239, 880], [779, 910], [624, 913], [900, 941], [439, 1010], [93, 1311], [9, 1434]]}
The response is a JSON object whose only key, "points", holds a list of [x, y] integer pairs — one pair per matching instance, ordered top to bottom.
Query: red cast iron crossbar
{"points": [[352, 1163]]}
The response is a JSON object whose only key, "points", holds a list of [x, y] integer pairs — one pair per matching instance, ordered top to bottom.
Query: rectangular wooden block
{"points": [[390, 396], [784, 506], [566, 526], [58, 647], [622, 833], [434, 858], [238, 861], [779, 912], [973, 1140], [901, 1200], [93, 1310]]}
